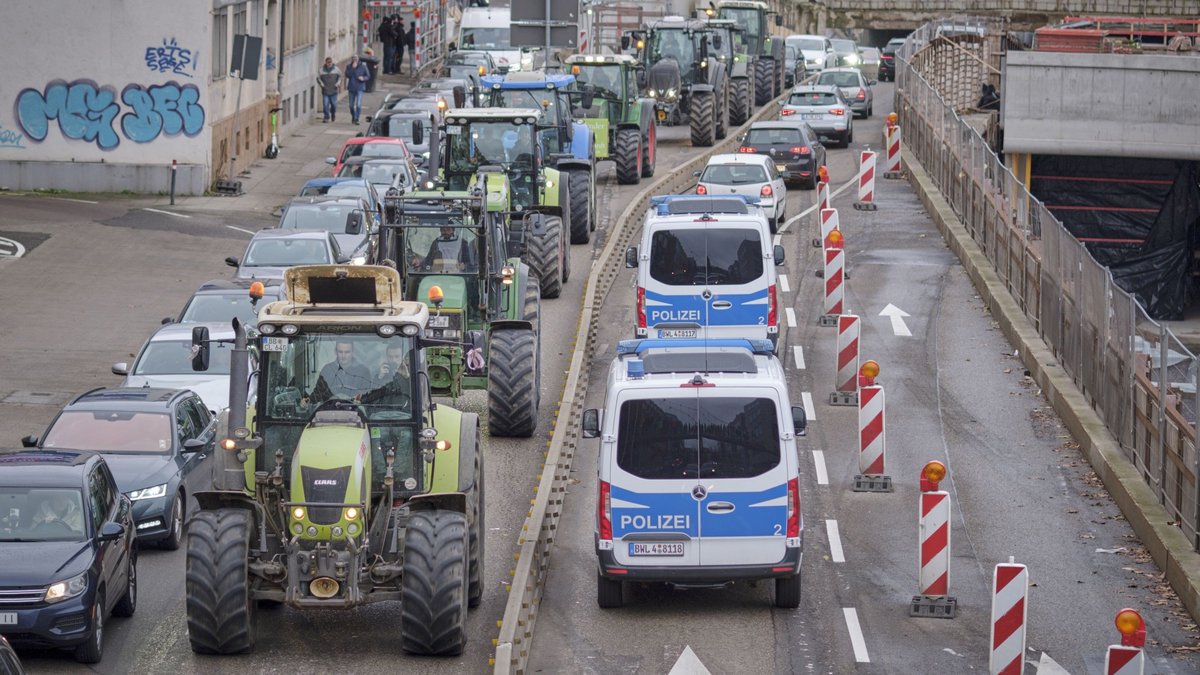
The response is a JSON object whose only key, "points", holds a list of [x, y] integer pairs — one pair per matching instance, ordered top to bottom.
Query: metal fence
{"points": [[1139, 378]]}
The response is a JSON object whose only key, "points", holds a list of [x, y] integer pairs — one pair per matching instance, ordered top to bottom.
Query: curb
{"points": [[1166, 544]]}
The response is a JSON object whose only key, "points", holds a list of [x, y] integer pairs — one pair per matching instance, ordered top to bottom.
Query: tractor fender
{"points": [[776, 51], [740, 70], [701, 89], [581, 142], [573, 163], [550, 197], [535, 224], [511, 323], [467, 451], [446, 471], [214, 500], [433, 501]]}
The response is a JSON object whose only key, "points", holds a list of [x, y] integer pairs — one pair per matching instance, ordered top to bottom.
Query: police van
{"points": [[706, 269], [698, 469]]}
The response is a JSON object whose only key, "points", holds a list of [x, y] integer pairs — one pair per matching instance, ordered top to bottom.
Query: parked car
{"points": [[817, 51], [846, 51], [887, 59], [855, 88], [822, 108], [369, 146], [794, 148], [753, 175], [342, 187], [350, 220], [270, 252], [222, 300], [165, 362], [155, 442], [67, 554]]}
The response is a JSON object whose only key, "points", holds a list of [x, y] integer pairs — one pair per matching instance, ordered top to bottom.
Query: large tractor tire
{"points": [[764, 74], [739, 103], [721, 113], [703, 119], [650, 150], [627, 154], [580, 193], [543, 254], [513, 365], [477, 529], [221, 615], [433, 618]]}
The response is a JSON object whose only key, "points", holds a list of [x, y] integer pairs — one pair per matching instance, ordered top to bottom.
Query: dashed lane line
{"points": [[77, 201], [240, 229], [783, 284], [791, 316], [797, 351], [809, 411], [819, 467], [835, 542], [856, 635]]}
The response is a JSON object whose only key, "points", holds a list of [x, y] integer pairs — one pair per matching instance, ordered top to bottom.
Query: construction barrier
{"points": [[891, 167], [866, 181], [828, 220], [835, 291], [846, 385], [872, 434], [933, 535], [1010, 611], [1127, 658]]}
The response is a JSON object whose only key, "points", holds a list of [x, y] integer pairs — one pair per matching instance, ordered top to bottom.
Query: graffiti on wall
{"points": [[171, 58], [87, 112], [10, 138]]}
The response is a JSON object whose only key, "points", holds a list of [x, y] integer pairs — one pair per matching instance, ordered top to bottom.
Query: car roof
{"points": [[805, 36], [841, 69], [528, 80], [823, 88], [776, 124], [363, 140], [739, 158], [329, 181], [325, 199], [276, 233], [216, 286], [217, 330], [729, 362], [126, 398], [45, 468]]}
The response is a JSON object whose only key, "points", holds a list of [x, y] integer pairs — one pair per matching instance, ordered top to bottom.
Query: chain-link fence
{"points": [[1133, 371]]}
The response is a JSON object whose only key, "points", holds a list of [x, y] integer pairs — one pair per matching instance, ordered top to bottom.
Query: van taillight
{"points": [[772, 306], [641, 307], [604, 511], [793, 512]]}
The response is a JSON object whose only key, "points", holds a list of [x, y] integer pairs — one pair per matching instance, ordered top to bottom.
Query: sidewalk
{"points": [[272, 182]]}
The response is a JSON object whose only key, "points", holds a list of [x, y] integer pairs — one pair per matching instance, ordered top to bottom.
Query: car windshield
{"points": [[746, 18], [484, 37], [672, 43], [808, 44], [843, 46], [842, 79], [814, 98], [402, 127], [774, 137], [487, 142], [374, 150], [382, 173], [733, 174], [351, 189], [324, 217], [444, 250], [286, 253], [713, 256], [223, 307], [174, 357], [111, 431], [689, 437], [41, 514]]}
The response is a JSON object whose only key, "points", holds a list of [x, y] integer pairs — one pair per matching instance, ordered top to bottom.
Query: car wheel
{"points": [[175, 536], [127, 605], [92, 650]]}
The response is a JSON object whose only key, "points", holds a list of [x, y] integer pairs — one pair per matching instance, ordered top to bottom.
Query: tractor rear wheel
{"points": [[764, 73], [739, 105], [721, 113], [703, 119], [650, 150], [627, 155], [580, 191], [543, 254], [513, 365], [477, 530], [221, 615], [433, 619]]}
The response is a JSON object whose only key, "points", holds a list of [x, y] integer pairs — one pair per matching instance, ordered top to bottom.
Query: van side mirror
{"points": [[418, 132], [354, 222], [779, 255], [631, 257], [200, 348], [799, 420], [590, 424]]}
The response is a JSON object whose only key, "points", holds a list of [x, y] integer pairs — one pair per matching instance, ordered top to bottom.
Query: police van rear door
{"points": [[743, 516], [655, 517]]}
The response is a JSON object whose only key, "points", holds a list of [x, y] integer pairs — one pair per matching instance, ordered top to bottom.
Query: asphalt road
{"points": [[955, 393]]}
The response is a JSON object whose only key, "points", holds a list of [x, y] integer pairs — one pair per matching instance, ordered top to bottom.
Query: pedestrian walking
{"points": [[387, 36], [410, 40], [399, 41], [357, 75], [327, 79]]}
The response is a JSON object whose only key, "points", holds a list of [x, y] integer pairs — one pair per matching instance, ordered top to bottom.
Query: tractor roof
{"points": [[756, 4], [678, 23], [601, 59], [528, 80], [490, 113], [357, 296]]}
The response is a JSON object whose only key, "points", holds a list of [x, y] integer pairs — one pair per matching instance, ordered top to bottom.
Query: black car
{"points": [[887, 60], [795, 148], [220, 300], [154, 441], [67, 555]]}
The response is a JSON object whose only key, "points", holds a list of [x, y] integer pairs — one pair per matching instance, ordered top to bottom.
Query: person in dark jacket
{"points": [[387, 35], [399, 40], [410, 41], [357, 75], [327, 78]]}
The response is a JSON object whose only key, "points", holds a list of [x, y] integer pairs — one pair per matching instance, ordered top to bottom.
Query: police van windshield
{"points": [[713, 256], [677, 438]]}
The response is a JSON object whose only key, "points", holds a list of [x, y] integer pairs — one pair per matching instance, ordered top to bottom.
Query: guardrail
{"points": [[1133, 371], [540, 527]]}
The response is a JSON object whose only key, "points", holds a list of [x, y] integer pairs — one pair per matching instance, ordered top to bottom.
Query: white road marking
{"points": [[77, 201], [805, 212], [165, 213], [240, 229], [777, 240], [11, 248], [783, 284], [791, 316], [897, 316], [798, 352], [809, 411], [819, 467], [835, 542], [856, 635], [688, 664], [1048, 666]]}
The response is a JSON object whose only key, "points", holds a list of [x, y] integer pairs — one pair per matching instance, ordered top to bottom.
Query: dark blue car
{"points": [[67, 555]]}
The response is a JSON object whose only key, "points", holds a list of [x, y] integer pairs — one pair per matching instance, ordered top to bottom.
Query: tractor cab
{"points": [[539, 91], [495, 137]]}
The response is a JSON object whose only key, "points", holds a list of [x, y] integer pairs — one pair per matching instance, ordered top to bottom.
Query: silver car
{"points": [[855, 88], [822, 108], [270, 252], [165, 362]]}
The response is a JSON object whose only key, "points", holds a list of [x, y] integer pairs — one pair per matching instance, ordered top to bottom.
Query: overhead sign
{"points": [[535, 10], [530, 18], [535, 36]]}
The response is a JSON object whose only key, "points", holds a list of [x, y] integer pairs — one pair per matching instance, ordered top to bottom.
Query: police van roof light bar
{"points": [[625, 347]]}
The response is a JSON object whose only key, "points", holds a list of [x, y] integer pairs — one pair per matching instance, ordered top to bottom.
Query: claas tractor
{"points": [[605, 97], [343, 483]]}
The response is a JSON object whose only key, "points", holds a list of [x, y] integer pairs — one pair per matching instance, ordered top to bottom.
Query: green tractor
{"points": [[768, 52], [739, 67], [606, 99], [506, 141], [457, 256], [347, 485]]}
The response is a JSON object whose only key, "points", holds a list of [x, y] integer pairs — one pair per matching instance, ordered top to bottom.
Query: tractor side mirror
{"points": [[778, 19], [625, 42], [718, 42], [460, 97], [588, 97], [418, 132], [354, 222], [516, 240], [779, 254], [631, 257], [476, 339], [200, 348], [799, 420], [590, 424]]}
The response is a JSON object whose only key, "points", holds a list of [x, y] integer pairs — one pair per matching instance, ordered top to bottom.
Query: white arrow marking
{"points": [[897, 316], [688, 664], [1048, 666]]}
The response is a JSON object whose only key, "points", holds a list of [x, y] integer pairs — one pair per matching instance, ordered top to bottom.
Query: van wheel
{"points": [[787, 592], [610, 593]]}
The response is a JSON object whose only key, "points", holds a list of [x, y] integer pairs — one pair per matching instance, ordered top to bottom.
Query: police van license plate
{"points": [[440, 321], [668, 333], [656, 549], [8, 618]]}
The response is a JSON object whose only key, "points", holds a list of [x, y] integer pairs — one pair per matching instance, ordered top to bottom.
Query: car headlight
{"points": [[852, 59], [148, 493], [69, 588]]}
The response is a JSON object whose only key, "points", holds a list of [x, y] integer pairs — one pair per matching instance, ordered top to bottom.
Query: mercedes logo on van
{"points": [[706, 294], [699, 492]]}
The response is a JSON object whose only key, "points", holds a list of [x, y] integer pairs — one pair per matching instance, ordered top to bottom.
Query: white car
{"points": [[817, 50], [752, 175], [165, 362]]}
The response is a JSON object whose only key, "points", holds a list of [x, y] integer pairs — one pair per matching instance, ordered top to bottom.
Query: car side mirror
{"points": [[778, 19], [872, 83], [588, 98], [369, 118], [418, 132], [331, 161], [696, 174], [354, 222], [779, 255], [631, 257], [232, 261], [167, 319], [200, 348], [120, 368], [799, 420], [590, 423], [29, 441], [194, 445], [111, 531]]}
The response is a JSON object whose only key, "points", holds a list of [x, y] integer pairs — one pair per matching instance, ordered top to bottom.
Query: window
{"points": [[239, 20], [298, 24], [220, 44], [814, 98], [774, 137], [733, 174], [715, 256], [174, 357], [98, 493]]}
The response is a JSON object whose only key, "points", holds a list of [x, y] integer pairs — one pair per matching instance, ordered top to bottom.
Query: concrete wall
{"points": [[1023, 14], [1113, 105]]}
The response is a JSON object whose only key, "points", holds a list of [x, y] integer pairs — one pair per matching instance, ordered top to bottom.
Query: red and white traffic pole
{"points": [[891, 165], [866, 181], [822, 191], [828, 219], [834, 275], [845, 391], [872, 437], [933, 533], [1010, 611], [1127, 658]]}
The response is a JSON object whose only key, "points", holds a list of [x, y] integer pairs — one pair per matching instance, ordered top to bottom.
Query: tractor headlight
{"points": [[671, 93], [266, 329], [290, 329], [386, 330], [298, 513], [352, 513], [352, 528], [337, 531], [68, 588]]}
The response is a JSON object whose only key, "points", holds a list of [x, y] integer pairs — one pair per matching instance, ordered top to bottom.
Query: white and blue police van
{"points": [[706, 269], [698, 469]]}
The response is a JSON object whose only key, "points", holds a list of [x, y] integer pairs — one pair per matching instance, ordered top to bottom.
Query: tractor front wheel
{"points": [[764, 74], [739, 108], [721, 113], [703, 119], [649, 150], [627, 154], [579, 187], [544, 256], [513, 365], [477, 530], [221, 615], [433, 619]]}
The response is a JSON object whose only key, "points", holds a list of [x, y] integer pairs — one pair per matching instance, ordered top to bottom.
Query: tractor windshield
{"points": [[747, 19], [673, 43], [604, 78], [541, 99], [500, 143], [445, 249]]}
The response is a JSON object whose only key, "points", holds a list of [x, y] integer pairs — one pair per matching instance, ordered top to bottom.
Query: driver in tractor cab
{"points": [[448, 253], [344, 377], [392, 380]]}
